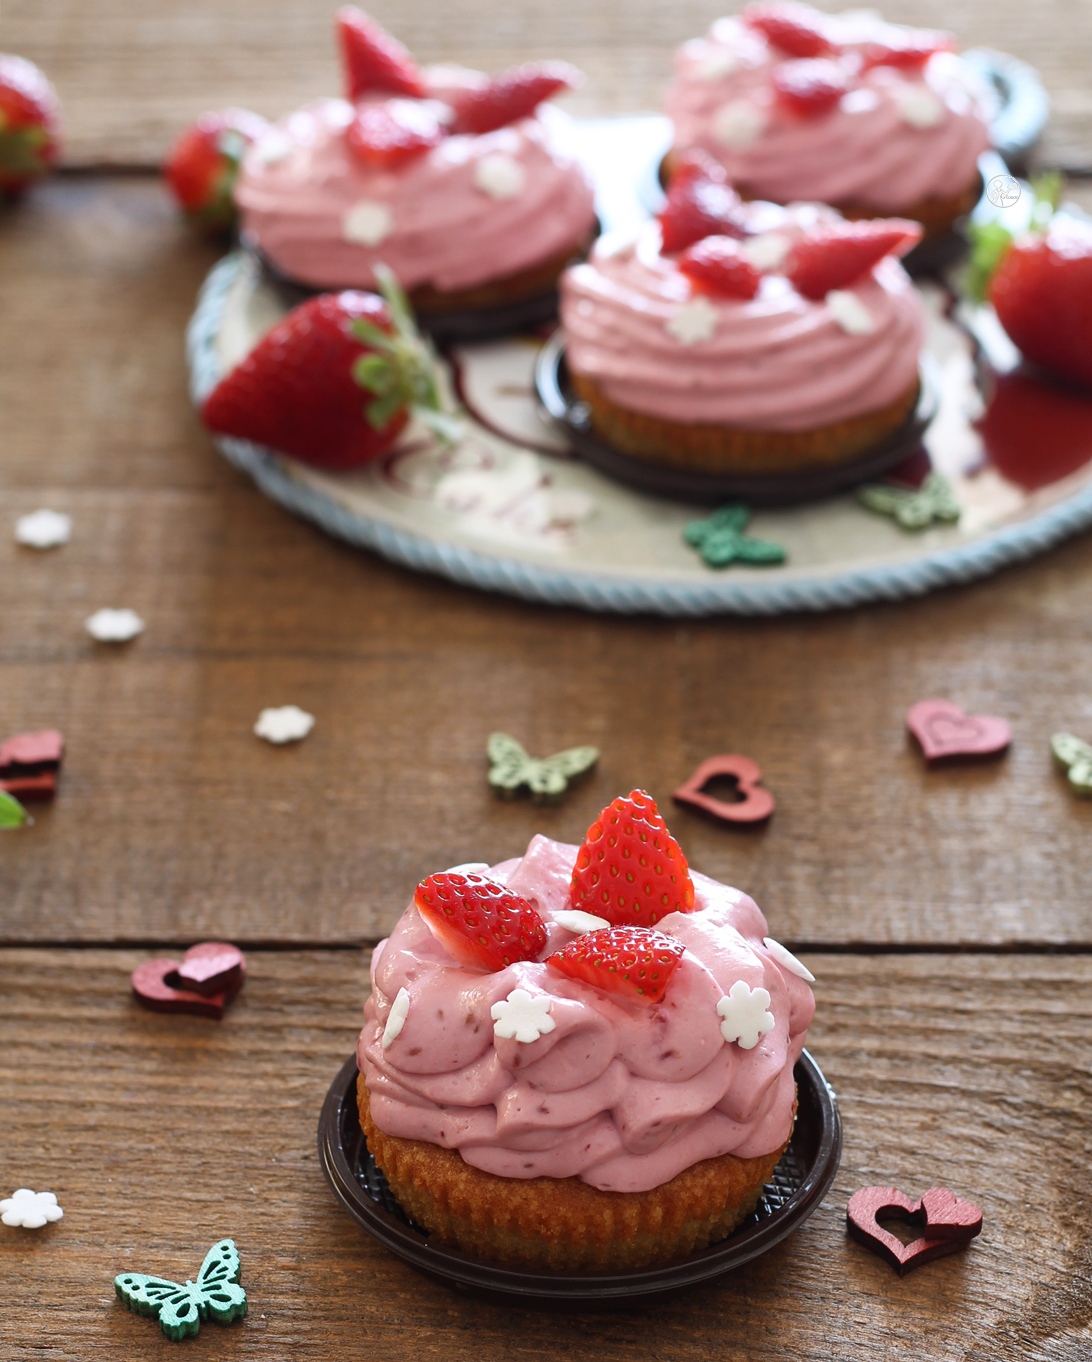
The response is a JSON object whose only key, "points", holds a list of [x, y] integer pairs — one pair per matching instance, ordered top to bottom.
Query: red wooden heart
{"points": [[945, 732], [44, 748], [31, 787], [756, 805], [211, 967], [156, 985], [956, 1224]]}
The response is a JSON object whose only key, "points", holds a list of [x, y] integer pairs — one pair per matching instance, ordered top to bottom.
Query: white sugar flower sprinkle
{"points": [[717, 63], [919, 106], [738, 125], [272, 149], [499, 176], [367, 223], [767, 251], [850, 313], [693, 321], [43, 529], [114, 626], [289, 723], [573, 920], [787, 960], [745, 1014], [521, 1017], [396, 1018], [30, 1210]]}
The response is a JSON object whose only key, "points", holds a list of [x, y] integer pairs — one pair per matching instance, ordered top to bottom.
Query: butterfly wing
{"points": [[1069, 750], [509, 763], [550, 777], [1080, 777], [217, 1284], [176, 1306]]}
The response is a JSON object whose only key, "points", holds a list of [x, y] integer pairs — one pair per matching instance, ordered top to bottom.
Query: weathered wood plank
{"points": [[133, 74], [161, 1134]]}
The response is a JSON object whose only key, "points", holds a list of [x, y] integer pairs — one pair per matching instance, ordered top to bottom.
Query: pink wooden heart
{"points": [[945, 732], [44, 748], [756, 805], [211, 966], [158, 984], [954, 1227]]}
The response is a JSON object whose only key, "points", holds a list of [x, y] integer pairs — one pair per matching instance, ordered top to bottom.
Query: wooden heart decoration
{"points": [[945, 732], [29, 763], [756, 805], [212, 967], [159, 986], [949, 1224]]}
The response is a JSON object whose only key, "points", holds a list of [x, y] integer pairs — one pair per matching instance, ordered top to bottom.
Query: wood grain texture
{"points": [[133, 73], [173, 822], [161, 1134]]}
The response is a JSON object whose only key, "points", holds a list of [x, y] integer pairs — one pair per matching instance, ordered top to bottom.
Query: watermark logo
{"points": [[1003, 191]]}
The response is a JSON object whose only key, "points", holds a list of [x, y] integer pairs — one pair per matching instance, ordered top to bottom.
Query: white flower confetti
{"points": [[717, 63], [919, 106], [738, 125], [272, 149], [499, 176], [367, 223], [767, 251], [850, 313], [693, 321], [43, 529], [114, 626], [289, 723], [573, 920], [787, 960], [745, 1014], [522, 1017], [396, 1018], [30, 1210]]}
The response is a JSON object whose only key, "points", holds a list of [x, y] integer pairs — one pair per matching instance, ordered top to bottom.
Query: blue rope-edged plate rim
{"points": [[605, 592], [813, 1155]]}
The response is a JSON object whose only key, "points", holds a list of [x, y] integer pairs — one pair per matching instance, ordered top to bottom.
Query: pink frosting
{"points": [[864, 150], [443, 229], [776, 362], [620, 1095]]}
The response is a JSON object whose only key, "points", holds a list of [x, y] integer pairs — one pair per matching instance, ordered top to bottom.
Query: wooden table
{"points": [[946, 915]]}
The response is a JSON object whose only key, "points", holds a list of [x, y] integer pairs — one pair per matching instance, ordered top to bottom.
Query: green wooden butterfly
{"points": [[912, 509], [1075, 757], [510, 768], [12, 813], [181, 1309]]}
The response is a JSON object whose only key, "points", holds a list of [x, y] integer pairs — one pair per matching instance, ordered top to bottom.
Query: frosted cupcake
{"points": [[874, 118], [466, 186], [737, 337], [582, 1058]]}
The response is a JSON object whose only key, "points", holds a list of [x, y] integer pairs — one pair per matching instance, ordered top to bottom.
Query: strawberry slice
{"points": [[796, 29], [907, 51], [374, 60], [809, 87], [512, 95], [30, 124], [389, 134], [203, 165], [700, 203], [835, 254], [717, 264], [301, 389], [630, 869], [480, 922], [635, 962]]}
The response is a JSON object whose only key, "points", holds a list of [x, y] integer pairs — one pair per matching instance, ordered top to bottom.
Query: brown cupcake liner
{"points": [[513, 288], [721, 449], [562, 1224]]}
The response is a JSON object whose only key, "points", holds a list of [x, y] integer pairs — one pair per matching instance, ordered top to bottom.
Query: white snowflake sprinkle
{"points": [[717, 63], [919, 106], [738, 125], [272, 149], [499, 176], [367, 223], [767, 251], [850, 313], [693, 321], [43, 529], [114, 626], [289, 723], [573, 920], [787, 960], [745, 1014], [521, 1017], [396, 1018], [30, 1210]]}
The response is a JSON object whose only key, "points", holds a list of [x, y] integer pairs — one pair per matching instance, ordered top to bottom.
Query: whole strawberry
{"points": [[30, 124], [203, 165], [304, 388]]}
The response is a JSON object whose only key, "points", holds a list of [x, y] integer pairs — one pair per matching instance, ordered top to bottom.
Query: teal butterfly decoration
{"points": [[910, 509], [720, 540], [1075, 757], [510, 768], [181, 1309]]}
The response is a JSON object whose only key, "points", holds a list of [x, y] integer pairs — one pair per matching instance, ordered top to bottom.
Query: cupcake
{"points": [[874, 118], [466, 186], [737, 337], [581, 1059]]}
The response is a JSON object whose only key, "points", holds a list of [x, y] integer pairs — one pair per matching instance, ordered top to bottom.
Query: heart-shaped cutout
{"points": [[945, 732], [756, 804], [212, 967], [157, 986], [949, 1224]]}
